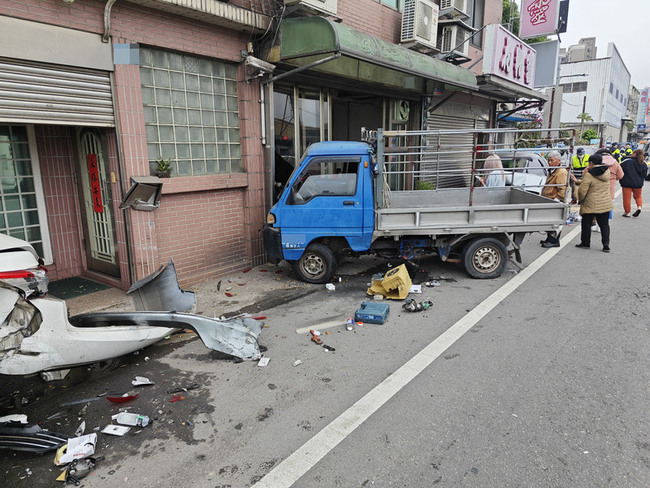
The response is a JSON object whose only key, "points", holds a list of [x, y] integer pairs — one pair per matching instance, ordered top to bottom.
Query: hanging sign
{"points": [[538, 18], [507, 56], [95, 187]]}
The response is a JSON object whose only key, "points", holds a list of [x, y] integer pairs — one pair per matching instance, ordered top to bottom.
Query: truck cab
{"points": [[326, 207]]}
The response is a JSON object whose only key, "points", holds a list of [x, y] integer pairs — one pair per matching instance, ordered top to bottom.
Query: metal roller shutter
{"points": [[52, 94], [453, 163]]}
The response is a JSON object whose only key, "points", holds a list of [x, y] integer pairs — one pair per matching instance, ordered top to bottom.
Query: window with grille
{"points": [[191, 113], [19, 213]]}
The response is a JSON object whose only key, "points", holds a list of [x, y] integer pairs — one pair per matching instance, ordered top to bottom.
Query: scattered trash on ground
{"points": [[433, 283], [330, 286], [412, 305], [315, 336], [328, 348], [263, 362], [297, 362], [181, 389], [176, 398], [131, 419], [76, 448]]}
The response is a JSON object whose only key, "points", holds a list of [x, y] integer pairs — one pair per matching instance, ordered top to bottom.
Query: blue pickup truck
{"points": [[358, 197]]}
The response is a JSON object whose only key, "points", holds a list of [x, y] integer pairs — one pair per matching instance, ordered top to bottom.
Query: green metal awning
{"points": [[349, 53]]}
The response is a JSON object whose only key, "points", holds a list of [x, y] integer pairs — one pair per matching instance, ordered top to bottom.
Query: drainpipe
{"points": [[107, 20]]}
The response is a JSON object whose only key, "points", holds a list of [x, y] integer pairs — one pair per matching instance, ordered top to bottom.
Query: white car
{"points": [[21, 267]]}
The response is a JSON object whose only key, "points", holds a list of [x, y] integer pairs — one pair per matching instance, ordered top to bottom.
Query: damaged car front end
{"points": [[36, 334]]}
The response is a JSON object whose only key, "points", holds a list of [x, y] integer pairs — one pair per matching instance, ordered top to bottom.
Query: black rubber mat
{"points": [[73, 287]]}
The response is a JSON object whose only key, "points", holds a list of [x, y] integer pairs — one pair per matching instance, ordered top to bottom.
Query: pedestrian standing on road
{"points": [[578, 164], [635, 169], [493, 171], [615, 174], [555, 189], [595, 201]]}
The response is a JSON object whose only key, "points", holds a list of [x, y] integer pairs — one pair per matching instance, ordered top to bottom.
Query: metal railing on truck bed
{"points": [[430, 182]]}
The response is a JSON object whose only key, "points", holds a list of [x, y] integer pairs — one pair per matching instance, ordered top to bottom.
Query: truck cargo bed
{"points": [[448, 211]]}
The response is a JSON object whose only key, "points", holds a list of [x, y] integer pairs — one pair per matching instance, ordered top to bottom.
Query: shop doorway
{"points": [[349, 115], [96, 205]]}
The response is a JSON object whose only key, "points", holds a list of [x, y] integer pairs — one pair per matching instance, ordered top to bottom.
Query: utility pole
{"points": [[582, 119]]}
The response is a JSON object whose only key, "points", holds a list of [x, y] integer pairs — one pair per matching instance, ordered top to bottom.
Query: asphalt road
{"points": [[545, 385]]}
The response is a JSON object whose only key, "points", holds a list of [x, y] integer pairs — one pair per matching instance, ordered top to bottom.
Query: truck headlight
{"points": [[270, 218]]}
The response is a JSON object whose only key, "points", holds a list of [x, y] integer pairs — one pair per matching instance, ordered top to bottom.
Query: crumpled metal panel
{"points": [[160, 292], [238, 336]]}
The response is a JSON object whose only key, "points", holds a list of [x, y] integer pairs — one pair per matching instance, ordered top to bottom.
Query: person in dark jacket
{"points": [[635, 169], [595, 201]]}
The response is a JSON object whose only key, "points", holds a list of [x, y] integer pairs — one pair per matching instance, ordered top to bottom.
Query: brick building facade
{"points": [[126, 83]]}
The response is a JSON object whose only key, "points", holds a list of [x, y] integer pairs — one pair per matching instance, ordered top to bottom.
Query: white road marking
{"points": [[311, 452]]}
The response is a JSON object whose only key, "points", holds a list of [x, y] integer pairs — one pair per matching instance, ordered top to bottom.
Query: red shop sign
{"points": [[95, 188]]}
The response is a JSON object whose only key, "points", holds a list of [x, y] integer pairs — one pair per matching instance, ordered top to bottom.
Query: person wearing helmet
{"points": [[628, 149], [616, 152], [579, 163]]}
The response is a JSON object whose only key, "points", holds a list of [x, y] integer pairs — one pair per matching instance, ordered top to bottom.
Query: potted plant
{"points": [[164, 168]]}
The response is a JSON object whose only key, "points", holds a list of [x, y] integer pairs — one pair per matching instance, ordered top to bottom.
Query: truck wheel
{"points": [[485, 258], [316, 265]]}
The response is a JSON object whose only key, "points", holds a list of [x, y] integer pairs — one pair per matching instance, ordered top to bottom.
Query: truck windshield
{"points": [[324, 177]]}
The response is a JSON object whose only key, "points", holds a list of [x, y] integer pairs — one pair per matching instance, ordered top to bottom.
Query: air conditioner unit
{"points": [[324, 6], [453, 8], [420, 22], [450, 37]]}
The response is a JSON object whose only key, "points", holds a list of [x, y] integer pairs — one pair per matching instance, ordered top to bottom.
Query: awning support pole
{"points": [[303, 68]]}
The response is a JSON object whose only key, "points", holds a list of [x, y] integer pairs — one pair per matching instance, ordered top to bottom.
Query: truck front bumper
{"points": [[272, 244]]}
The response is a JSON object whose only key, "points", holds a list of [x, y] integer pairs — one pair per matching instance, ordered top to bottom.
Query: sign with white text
{"points": [[538, 18], [507, 56]]}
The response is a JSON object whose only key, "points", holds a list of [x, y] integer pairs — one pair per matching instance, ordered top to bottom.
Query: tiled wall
{"points": [[57, 160], [210, 231]]}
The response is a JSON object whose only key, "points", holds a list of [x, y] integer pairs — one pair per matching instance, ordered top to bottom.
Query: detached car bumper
{"points": [[273, 244]]}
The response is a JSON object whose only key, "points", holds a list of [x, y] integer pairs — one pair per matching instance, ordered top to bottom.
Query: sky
{"points": [[626, 23]]}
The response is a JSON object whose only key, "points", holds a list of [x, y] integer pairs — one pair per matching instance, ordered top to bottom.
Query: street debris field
{"points": [[179, 393]]}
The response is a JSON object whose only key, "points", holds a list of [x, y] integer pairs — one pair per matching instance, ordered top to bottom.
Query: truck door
{"points": [[325, 199]]}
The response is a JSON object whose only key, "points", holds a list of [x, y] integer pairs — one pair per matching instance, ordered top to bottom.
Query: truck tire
{"points": [[485, 258], [316, 265]]}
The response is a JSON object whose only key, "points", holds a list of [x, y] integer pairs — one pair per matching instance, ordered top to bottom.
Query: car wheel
{"points": [[485, 258], [316, 265]]}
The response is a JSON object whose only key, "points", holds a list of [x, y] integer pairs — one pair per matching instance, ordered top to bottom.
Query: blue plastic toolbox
{"points": [[372, 313]]}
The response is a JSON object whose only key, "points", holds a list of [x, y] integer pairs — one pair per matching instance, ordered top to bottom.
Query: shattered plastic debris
{"points": [[432, 283], [330, 286], [328, 348], [263, 362], [297, 362], [141, 380], [181, 389], [126, 397], [176, 398], [118, 430], [32, 438]]}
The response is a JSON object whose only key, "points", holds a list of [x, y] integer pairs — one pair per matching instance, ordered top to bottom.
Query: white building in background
{"points": [[600, 88], [643, 112]]}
